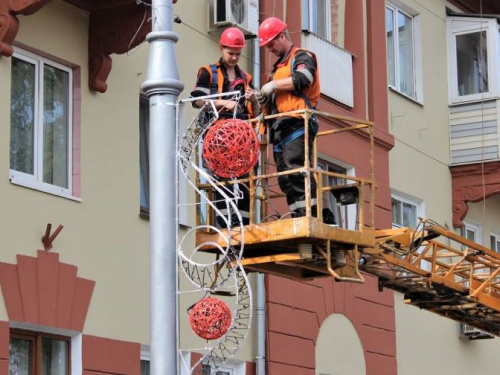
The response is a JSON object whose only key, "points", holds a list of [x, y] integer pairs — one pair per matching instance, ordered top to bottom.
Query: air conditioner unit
{"points": [[241, 13], [472, 333]]}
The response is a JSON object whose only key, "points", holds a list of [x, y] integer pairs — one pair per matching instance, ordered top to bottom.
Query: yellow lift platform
{"points": [[305, 247], [436, 269], [439, 271]]}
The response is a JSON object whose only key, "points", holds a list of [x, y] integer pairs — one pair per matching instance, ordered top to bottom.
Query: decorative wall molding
{"points": [[472, 183], [46, 292]]}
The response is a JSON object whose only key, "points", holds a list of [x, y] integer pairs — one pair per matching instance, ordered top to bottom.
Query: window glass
{"points": [[316, 17], [389, 19], [405, 37], [400, 41], [472, 63], [22, 116], [41, 121], [55, 126], [144, 153], [330, 205], [396, 212], [404, 214], [409, 215], [470, 234], [495, 243], [35, 353], [20, 356], [54, 357], [145, 370]]}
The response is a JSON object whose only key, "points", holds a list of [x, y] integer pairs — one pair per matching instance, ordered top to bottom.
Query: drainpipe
{"points": [[162, 86], [260, 306]]}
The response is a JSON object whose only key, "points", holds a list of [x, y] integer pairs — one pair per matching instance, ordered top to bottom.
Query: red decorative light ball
{"points": [[231, 148], [210, 318]]}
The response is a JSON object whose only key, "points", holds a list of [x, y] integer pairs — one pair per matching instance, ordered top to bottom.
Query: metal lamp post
{"points": [[162, 86]]}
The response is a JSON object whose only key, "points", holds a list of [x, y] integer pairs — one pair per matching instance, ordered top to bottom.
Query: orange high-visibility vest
{"points": [[217, 82], [286, 100]]}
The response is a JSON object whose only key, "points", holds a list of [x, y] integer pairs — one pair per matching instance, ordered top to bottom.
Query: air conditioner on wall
{"points": [[241, 13], [472, 333]]}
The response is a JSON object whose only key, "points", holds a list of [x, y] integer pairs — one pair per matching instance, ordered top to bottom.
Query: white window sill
{"points": [[396, 91], [473, 99], [44, 187]]}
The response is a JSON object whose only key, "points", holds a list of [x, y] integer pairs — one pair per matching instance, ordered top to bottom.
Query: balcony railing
{"points": [[335, 68]]}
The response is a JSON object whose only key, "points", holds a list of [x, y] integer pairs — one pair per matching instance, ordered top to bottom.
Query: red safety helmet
{"points": [[270, 29], [232, 37]]}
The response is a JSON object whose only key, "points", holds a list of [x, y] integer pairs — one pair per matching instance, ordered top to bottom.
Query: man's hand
{"points": [[269, 88], [265, 92], [261, 98]]}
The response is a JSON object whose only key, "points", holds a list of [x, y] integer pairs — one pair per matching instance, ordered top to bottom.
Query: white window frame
{"points": [[310, 23], [468, 25], [418, 95], [35, 181], [405, 198], [476, 228], [497, 241]]}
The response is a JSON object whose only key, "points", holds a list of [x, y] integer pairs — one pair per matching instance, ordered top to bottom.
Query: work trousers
{"points": [[289, 155], [242, 201]]}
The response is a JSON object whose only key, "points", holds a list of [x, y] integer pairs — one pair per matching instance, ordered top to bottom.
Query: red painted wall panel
{"points": [[48, 278], [28, 280], [11, 291], [65, 291], [81, 303], [293, 321], [4, 341], [292, 350], [109, 356], [377, 364], [282, 368]]}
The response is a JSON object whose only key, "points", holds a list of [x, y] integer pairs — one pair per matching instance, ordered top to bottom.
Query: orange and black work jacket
{"points": [[301, 65], [213, 79]]}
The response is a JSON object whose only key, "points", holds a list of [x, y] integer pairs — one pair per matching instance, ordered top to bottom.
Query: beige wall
{"points": [[420, 158], [487, 215], [103, 235], [428, 343]]}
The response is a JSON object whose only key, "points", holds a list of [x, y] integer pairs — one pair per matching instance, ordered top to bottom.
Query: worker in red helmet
{"points": [[226, 76], [293, 85]]}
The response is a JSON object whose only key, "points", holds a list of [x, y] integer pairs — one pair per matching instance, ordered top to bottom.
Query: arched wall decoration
{"points": [[115, 26], [472, 183], [46, 292], [296, 312]]}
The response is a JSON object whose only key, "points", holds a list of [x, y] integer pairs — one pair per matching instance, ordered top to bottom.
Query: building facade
{"points": [[442, 112], [75, 153]]}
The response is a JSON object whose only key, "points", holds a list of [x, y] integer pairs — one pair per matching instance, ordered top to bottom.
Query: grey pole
{"points": [[162, 86], [260, 308]]}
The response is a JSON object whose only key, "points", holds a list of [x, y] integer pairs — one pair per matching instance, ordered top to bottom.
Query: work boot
{"points": [[300, 212]]}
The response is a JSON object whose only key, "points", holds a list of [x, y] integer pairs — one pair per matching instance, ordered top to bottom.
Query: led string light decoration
{"points": [[231, 148], [211, 318]]}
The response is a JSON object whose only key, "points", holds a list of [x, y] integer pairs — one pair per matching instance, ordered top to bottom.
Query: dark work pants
{"points": [[291, 157], [243, 205]]}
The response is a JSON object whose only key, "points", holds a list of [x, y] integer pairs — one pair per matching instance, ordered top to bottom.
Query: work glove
{"points": [[269, 88], [265, 92], [261, 98]]}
